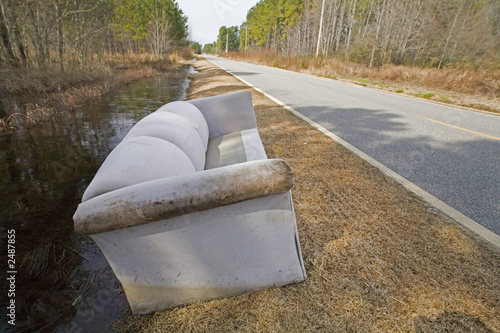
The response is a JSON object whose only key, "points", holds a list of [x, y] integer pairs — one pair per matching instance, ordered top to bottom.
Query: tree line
{"points": [[419, 32], [40, 33], [228, 40]]}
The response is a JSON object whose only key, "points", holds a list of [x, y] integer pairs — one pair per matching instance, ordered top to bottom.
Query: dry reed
{"points": [[51, 90], [51, 97], [378, 258]]}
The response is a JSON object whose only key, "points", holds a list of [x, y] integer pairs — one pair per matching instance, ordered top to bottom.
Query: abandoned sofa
{"points": [[188, 207]]}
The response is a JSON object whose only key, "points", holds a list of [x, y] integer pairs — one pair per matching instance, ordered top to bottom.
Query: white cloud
{"points": [[206, 17]]}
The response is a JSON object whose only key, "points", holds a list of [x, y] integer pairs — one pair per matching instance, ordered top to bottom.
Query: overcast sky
{"points": [[205, 17]]}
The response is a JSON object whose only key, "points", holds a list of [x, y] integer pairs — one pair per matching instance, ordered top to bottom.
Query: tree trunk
{"points": [[379, 20], [350, 22], [340, 26], [320, 28], [60, 34], [5, 35], [449, 36], [37, 37]]}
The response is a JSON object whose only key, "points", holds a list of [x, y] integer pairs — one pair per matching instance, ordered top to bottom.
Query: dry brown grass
{"points": [[50, 79], [477, 88], [51, 90], [66, 94], [46, 105], [378, 258]]}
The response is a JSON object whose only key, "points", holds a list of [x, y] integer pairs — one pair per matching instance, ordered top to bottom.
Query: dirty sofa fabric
{"points": [[188, 207]]}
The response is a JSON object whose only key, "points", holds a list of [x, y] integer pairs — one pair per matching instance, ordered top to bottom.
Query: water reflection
{"points": [[63, 281]]}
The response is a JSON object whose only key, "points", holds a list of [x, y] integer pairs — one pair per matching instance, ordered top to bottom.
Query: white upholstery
{"points": [[227, 113], [191, 114], [175, 129], [237, 147], [254, 149], [225, 150], [137, 160], [188, 207], [213, 253]]}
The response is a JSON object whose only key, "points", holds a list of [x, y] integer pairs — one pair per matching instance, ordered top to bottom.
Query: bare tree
{"points": [[450, 33]]}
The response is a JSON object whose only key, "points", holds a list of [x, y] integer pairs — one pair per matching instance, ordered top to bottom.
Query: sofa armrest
{"points": [[227, 113], [174, 196]]}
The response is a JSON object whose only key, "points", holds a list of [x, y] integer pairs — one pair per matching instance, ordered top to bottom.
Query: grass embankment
{"points": [[475, 88], [31, 97], [378, 258]]}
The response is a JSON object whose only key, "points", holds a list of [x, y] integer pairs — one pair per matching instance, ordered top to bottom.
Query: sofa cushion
{"points": [[192, 114], [175, 129], [233, 148], [254, 148], [225, 150], [136, 160]]}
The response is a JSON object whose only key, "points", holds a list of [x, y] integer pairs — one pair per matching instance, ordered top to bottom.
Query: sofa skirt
{"points": [[221, 252]]}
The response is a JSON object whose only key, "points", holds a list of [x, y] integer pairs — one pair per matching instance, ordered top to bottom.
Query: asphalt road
{"points": [[452, 153]]}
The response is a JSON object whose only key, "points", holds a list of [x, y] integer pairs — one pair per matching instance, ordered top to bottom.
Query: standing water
{"points": [[60, 281]]}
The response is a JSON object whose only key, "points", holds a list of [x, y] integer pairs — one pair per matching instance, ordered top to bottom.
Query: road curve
{"points": [[451, 153]]}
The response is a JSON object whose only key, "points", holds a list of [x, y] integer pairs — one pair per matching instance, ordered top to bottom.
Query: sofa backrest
{"points": [[227, 113], [169, 142]]}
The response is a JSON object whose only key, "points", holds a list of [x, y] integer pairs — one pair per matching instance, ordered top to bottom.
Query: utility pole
{"points": [[320, 28], [227, 40]]}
